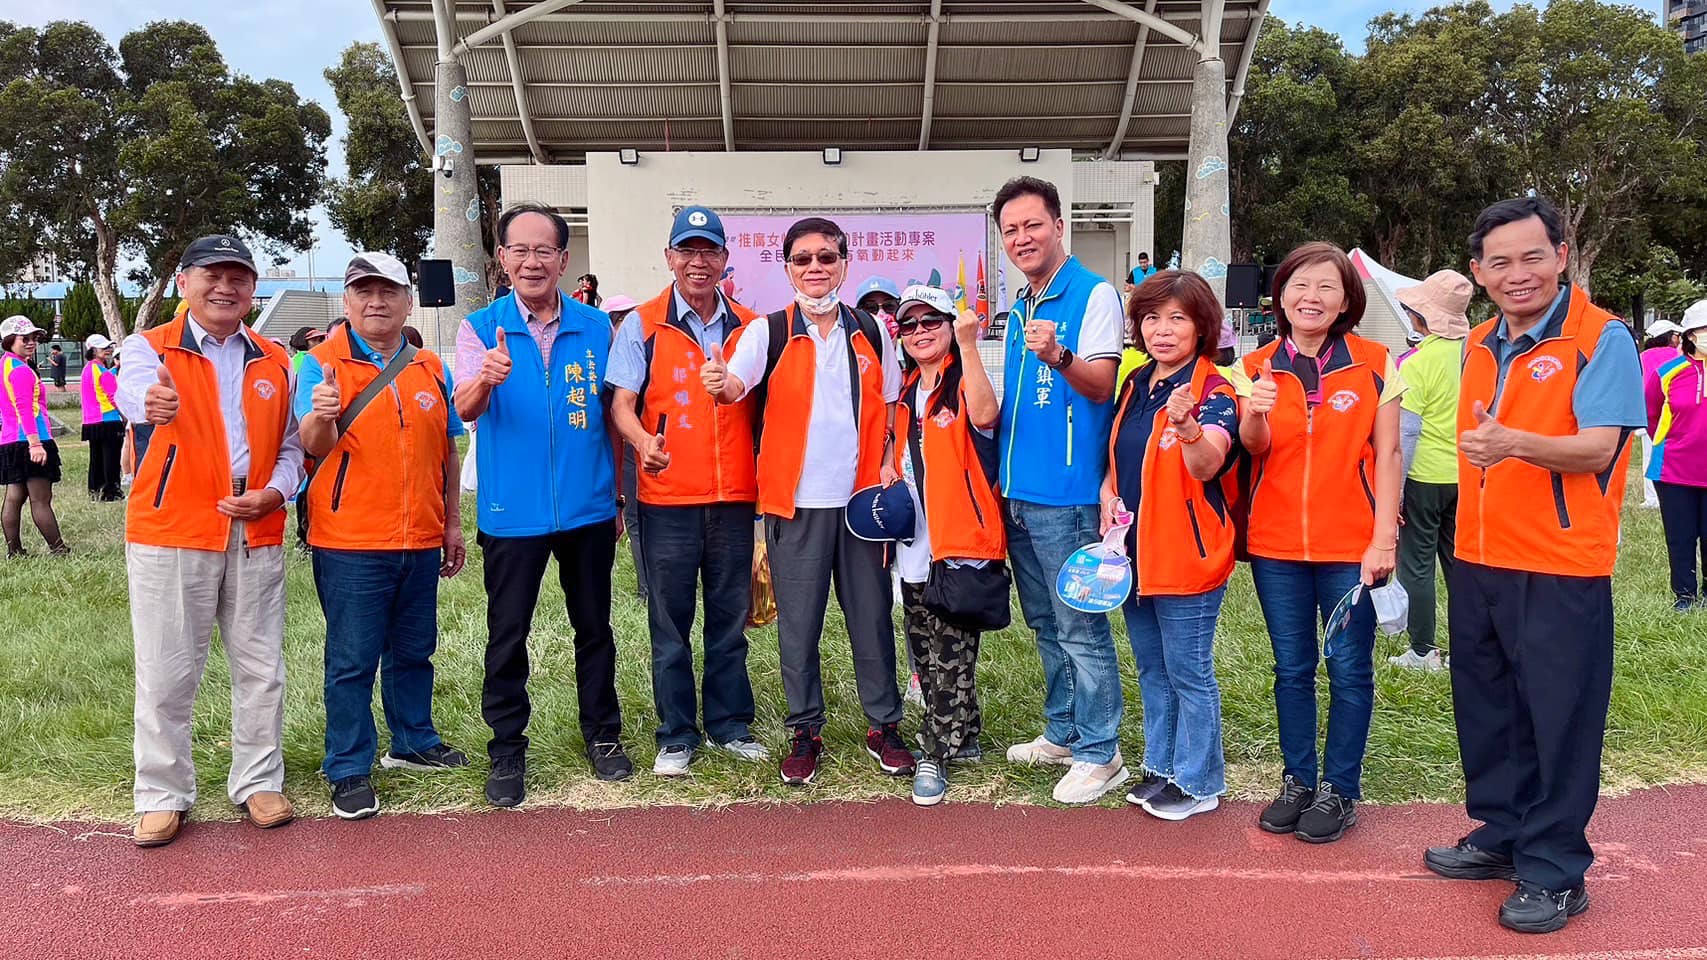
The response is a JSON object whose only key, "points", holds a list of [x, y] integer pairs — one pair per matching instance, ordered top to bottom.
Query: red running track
{"points": [[833, 880]]}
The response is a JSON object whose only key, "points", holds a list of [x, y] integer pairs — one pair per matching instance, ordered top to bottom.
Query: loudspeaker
{"points": [[1269, 272], [435, 281], [1242, 281]]}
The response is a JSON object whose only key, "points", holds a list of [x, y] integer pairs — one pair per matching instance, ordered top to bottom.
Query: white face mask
{"points": [[818, 305]]}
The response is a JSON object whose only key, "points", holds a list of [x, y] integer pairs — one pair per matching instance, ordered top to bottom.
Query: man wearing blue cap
{"points": [[697, 487]]}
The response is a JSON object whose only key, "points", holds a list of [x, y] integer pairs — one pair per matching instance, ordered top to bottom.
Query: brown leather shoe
{"points": [[269, 809], [157, 828]]}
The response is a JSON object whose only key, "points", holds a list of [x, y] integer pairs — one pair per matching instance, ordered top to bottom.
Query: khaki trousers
{"points": [[177, 597]]}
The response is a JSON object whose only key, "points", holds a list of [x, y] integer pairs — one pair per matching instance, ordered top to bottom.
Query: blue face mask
{"points": [[818, 305]]}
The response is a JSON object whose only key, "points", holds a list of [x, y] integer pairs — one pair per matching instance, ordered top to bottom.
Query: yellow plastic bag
{"points": [[761, 607]]}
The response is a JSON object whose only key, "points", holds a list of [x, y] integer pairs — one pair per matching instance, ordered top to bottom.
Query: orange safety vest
{"points": [[788, 413], [710, 444], [382, 485], [1313, 491], [174, 500], [962, 513], [1503, 515], [1188, 551]]}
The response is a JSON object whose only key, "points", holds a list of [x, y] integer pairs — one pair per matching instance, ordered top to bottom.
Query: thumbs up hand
{"points": [[495, 366], [714, 373], [1264, 391], [326, 399], [160, 403], [1180, 404], [1490, 441], [653, 458]]}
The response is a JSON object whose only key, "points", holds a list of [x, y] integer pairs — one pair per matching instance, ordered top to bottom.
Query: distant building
{"points": [[1688, 18], [44, 269]]}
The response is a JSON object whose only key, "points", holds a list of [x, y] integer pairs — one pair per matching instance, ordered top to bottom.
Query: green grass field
{"points": [[66, 697]]}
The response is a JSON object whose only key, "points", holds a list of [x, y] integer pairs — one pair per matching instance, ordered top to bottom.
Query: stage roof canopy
{"points": [[553, 79]]}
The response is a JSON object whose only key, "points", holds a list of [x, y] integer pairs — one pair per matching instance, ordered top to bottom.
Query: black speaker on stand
{"points": [[1243, 280], [436, 283]]}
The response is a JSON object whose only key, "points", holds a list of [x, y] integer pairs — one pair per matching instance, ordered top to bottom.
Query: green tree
{"points": [[1601, 108], [1291, 146], [131, 154], [1426, 157], [386, 202], [80, 312]]}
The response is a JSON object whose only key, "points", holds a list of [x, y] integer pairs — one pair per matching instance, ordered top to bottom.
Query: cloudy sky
{"points": [[295, 40]]}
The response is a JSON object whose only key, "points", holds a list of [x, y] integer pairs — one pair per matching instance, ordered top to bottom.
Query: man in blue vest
{"points": [[1063, 349], [531, 368]]}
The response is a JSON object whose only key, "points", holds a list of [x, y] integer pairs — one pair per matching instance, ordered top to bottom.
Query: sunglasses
{"points": [[825, 258], [885, 306], [929, 321]]}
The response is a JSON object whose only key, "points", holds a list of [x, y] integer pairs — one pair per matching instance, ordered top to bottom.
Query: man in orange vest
{"points": [[831, 382], [1551, 393], [696, 486], [385, 522], [204, 532]]}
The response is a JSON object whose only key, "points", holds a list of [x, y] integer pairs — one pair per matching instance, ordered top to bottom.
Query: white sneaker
{"points": [[1410, 661], [915, 692], [747, 748], [1041, 750], [673, 760], [1086, 781]]}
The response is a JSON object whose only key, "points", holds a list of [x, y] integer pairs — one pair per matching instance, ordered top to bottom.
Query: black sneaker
{"points": [[437, 757], [609, 761], [506, 785], [1146, 788], [353, 799], [1282, 815], [1328, 816], [1466, 861], [1534, 909]]}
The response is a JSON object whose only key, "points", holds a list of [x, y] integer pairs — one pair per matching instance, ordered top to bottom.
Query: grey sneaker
{"points": [[1409, 660], [747, 748], [673, 760], [930, 783], [1146, 788], [1172, 803]]}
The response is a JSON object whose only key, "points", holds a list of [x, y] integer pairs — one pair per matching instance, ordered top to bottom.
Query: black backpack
{"points": [[780, 334]]}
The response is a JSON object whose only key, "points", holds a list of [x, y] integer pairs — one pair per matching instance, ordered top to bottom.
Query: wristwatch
{"points": [[1062, 362]]}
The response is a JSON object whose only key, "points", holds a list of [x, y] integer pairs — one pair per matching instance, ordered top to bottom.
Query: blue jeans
{"points": [[712, 544], [1293, 595], [382, 611], [1173, 642], [1081, 677]]}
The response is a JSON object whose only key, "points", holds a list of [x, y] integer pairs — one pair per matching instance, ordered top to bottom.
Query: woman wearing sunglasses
{"points": [[948, 413], [1169, 450]]}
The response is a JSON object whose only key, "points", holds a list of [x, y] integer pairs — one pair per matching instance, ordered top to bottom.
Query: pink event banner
{"points": [[904, 248]]}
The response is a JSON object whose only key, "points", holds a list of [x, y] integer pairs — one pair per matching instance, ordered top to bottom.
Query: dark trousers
{"points": [[106, 447], [1683, 512], [1430, 533], [712, 545], [806, 554], [514, 569], [381, 611], [1531, 681]]}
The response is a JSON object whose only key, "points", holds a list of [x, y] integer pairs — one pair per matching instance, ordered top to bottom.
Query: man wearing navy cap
{"points": [[697, 487]]}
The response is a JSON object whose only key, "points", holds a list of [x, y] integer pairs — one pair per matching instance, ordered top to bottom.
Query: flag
{"points": [[960, 284], [982, 304]]}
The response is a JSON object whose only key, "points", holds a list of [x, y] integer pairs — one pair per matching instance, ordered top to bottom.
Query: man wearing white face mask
{"points": [[831, 382]]}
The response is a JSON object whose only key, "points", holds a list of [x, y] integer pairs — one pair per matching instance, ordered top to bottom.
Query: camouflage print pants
{"points": [[947, 657]]}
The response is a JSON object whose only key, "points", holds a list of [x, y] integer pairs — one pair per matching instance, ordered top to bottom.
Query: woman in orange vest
{"points": [[948, 412], [1322, 423], [1169, 450]]}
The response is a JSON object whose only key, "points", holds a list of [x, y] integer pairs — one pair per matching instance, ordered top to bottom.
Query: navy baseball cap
{"points": [[697, 223], [217, 248], [880, 513]]}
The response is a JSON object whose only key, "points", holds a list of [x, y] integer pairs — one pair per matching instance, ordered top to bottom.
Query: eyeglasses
{"points": [[523, 252], [700, 253], [826, 258], [929, 321]]}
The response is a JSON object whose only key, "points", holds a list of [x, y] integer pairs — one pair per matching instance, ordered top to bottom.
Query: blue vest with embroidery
{"points": [[1054, 442], [542, 450]]}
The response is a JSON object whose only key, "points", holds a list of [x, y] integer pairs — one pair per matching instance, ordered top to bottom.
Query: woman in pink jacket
{"points": [[1677, 420], [103, 425], [29, 459]]}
